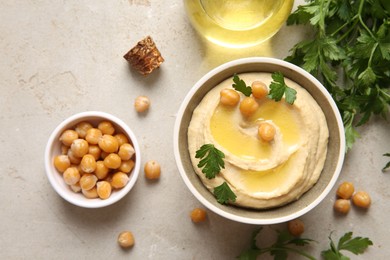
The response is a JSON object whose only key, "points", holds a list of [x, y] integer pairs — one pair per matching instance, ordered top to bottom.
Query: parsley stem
{"points": [[361, 4], [285, 248]]}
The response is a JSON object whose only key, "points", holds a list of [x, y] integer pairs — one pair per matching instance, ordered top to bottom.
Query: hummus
{"points": [[262, 174]]}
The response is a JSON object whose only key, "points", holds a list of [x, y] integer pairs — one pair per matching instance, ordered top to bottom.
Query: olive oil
{"points": [[237, 23]]}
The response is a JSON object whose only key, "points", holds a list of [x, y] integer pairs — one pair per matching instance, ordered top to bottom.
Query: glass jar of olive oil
{"points": [[237, 23]]}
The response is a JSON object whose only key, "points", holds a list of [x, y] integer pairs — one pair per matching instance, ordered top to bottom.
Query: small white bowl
{"points": [[336, 144], [53, 148]]}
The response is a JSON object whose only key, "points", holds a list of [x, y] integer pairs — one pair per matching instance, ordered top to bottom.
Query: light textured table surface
{"points": [[59, 58]]}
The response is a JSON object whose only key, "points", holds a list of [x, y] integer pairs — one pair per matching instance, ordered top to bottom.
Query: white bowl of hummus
{"points": [[232, 170]]}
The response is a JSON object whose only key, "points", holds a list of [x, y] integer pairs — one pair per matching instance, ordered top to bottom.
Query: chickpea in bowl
{"points": [[92, 159]]}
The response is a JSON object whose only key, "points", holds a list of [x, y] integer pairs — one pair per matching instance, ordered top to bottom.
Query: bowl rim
{"points": [[243, 61], [48, 159]]}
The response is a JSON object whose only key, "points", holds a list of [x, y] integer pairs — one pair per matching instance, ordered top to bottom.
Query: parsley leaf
{"points": [[241, 86], [278, 88], [211, 160], [387, 166], [224, 194], [355, 245]]}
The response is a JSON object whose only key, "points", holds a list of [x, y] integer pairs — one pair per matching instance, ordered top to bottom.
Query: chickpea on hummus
{"points": [[262, 172]]}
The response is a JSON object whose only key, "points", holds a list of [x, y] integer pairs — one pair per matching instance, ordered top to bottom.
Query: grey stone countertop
{"points": [[59, 58]]}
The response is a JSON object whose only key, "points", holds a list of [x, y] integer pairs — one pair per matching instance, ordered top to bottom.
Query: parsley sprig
{"points": [[352, 38], [241, 86], [278, 88], [211, 160], [212, 163], [286, 243], [355, 245], [279, 249]]}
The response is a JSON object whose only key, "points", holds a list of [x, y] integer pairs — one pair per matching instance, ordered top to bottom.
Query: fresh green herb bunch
{"points": [[349, 53]]}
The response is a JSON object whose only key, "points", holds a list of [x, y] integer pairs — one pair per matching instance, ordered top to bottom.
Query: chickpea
{"points": [[259, 89], [229, 97], [141, 104], [248, 106], [106, 127], [82, 128], [266, 131], [93, 135], [68, 136], [122, 139], [108, 143], [79, 147], [95, 151], [126, 151], [72, 158], [112, 161], [61, 162], [88, 163], [127, 166], [101, 170], [152, 170], [71, 176], [119, 180], [88, 181], [75, 188], [103, 189], [345, 190], [90, 194], [361, 199], [342, 205], [198, 215], [296, 227], [126, 239]]}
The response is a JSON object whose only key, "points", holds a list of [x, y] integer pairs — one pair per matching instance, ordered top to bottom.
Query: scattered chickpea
{"points": [[259, 89], [229, 97], [142, 104], [248, 106], [106, 127], [82, 128], [266, 132], [68, 136], [108, 143], [61, 162], [152, 170], [119, 180], [345, 190], [361, 199], [342, 205], [198, 215], [296, 227], [126, 239]]}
